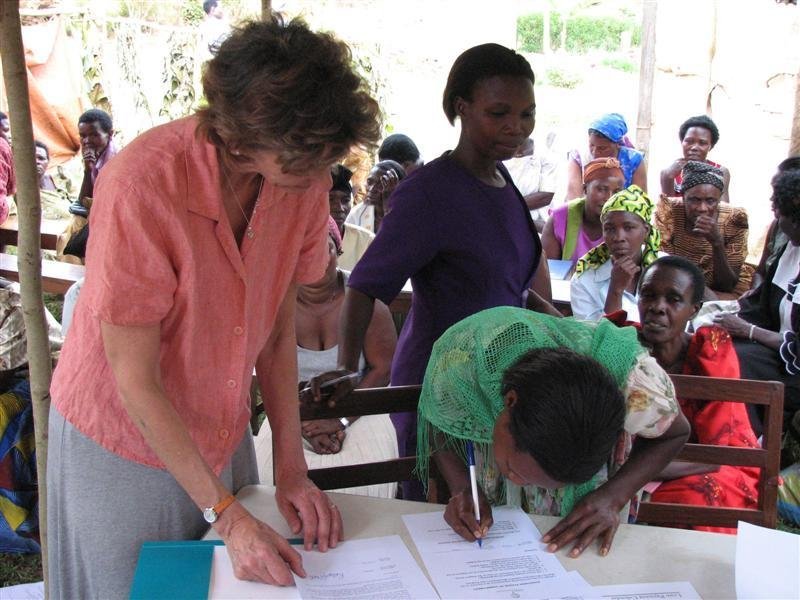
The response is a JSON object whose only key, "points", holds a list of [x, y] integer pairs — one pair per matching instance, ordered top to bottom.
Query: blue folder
{"points": [[559, 269], [180, 570]]}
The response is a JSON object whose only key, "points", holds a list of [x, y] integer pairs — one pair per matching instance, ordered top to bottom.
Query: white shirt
{"points": [[533, 174], [362, 215], [788, 266], [589, 290]]}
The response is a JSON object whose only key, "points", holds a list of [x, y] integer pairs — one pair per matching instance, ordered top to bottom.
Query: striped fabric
{"points": [[676, 238]]}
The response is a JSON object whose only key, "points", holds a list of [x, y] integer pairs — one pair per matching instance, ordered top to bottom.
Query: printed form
{"points": [[511, 564], [370, 568]]}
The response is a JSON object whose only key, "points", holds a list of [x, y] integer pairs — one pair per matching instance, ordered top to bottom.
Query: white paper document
{"points": [[767, 563], [511, 564], [370, 568], [678, 590]]}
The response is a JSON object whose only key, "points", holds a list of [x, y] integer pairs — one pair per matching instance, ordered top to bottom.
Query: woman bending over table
{"points": [[458, 228], [201, 231], [670, 294], [551, 405]]}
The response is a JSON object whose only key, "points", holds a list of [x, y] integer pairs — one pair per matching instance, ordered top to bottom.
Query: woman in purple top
{"points": [[458, 228]]}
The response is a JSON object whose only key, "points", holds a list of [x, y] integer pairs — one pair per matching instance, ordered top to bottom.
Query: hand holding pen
{"points": [[330, 385], [473, 482], [461, 513]]}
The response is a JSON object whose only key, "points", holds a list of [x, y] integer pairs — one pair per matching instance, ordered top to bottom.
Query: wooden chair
{"points": [[768, 394], [375, 401]]}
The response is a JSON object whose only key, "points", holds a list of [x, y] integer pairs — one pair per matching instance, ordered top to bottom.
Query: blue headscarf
{"points": [[612, 126]]}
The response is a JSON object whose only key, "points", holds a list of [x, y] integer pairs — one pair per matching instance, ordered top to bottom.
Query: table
{"points": [[50, 230], [640, 554]]}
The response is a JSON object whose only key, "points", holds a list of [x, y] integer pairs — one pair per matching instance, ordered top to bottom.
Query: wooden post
{"points": [[266, 9], [646, 75], [794, 143], [29, 251]]}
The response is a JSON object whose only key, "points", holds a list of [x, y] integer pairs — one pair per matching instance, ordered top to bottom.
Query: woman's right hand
{"points": [[676, 167], [623, 270], [332, 394], [460, 515], [257, 552]]}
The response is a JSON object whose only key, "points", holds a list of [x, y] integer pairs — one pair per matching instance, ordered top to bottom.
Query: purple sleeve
{"points": [[408, 239]]}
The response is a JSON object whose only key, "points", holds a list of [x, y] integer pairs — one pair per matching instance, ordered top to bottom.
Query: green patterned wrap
{"points": [[633, 200], [461, 395]]}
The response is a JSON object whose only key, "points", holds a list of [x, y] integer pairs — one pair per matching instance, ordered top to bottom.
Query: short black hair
{"points": [[208, 5], [479, 63], [100, 116], [700, 121], [43, 146], [400, 148], [789, 164], [393, 165], [786, 194], [682, 264], [569, 412]]}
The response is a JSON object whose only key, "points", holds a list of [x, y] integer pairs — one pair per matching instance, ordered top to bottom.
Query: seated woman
{"points": [[698, 135], [606, 140], [382, 180], [574, 228], [711, 235], [606, 277], [670, 294], [767, 326], [551, 405], [338, 442]]}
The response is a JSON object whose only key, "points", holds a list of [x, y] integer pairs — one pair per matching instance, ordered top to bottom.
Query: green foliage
{"points": [[192, 12], [530, 31], [583, 33], [621, 64], [178, 76], [562, 78], [20, 568]]}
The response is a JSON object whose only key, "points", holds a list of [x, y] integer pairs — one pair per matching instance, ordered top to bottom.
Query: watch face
{"points": [[210, 515]]}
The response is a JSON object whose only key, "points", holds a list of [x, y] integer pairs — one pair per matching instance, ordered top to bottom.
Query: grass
{"points": [[20, 568]]}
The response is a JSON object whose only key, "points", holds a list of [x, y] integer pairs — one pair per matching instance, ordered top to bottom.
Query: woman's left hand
{"points": [[735, 325], [319, 426], [306, 508], [596, 516]]}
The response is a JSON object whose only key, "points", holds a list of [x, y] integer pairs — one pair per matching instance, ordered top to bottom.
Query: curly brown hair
{"points": [[281, 87]]}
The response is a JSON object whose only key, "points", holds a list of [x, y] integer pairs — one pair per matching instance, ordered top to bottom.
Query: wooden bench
{"points": [[50, 231], [57, 277]]}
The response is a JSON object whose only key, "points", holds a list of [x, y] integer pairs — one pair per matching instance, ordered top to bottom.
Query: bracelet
{"points": [[750, 335]]}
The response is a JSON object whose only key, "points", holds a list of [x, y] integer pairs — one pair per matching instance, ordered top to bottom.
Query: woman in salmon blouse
{"points": [[201, 231]]}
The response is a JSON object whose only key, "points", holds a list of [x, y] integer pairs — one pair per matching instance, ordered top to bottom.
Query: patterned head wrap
{"points": [[612, 125], [600, 168], [697, 173], [341, 179], [632, 200], [333, 232]]}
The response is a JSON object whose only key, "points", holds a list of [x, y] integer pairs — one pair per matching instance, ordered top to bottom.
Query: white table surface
{"points": [[640, 554]]}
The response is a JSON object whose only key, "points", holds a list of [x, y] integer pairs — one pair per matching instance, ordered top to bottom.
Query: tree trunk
{"points": [[266, 9], [546, 28], [646, 76], [794, 143], [29, 251]]}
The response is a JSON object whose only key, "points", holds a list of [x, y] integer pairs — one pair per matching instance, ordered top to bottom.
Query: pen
{"points": [[333, 382], [473, 480]]}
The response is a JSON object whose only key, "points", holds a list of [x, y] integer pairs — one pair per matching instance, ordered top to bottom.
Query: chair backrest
{"points": [[768, 394], [374, 401]]}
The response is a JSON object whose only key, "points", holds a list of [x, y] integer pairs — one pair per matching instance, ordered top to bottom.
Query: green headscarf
{"points": [[633, 200]]}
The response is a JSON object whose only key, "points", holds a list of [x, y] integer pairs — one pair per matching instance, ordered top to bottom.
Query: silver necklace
{"points": [[249, 232]]}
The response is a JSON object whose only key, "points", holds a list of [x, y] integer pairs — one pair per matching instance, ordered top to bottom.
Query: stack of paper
{"points": [[513, 563], [767, 563]]}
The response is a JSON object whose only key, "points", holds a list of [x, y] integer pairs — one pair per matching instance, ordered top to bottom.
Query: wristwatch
{"points": [[345, 422], [212, 513]]}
